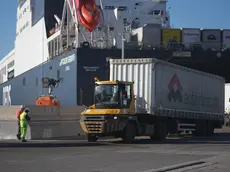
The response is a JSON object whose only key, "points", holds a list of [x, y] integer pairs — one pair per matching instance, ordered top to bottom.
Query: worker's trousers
{"points": [[19, 129], [23, 129]]}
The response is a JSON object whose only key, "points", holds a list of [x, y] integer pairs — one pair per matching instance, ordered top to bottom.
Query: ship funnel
{"points": [[57, 19]]}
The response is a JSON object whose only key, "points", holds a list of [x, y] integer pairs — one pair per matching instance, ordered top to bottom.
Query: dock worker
{"points": [[19, 112], [24, 119]]}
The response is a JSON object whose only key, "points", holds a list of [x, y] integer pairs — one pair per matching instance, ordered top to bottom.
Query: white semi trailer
{"points": [[160, 98]]}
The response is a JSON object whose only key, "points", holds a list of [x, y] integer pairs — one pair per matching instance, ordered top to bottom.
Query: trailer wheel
{"points": [[173, 127], [201, 128], [130, 132], [160, 132], [92, 138]]}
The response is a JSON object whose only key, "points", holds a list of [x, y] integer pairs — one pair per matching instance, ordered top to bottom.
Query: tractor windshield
{"points": [[106, 96], [112, 96]]}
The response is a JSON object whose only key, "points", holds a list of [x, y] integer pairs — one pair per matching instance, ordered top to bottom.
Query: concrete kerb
{"points": [[51, 143], [221, 159], [207, 164], [191, 165], [177, 166]]}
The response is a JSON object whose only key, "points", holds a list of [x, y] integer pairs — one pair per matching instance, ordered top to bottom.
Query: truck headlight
{"points": [[82, 117]]}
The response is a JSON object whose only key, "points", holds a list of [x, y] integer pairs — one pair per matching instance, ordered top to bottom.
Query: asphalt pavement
{"points": [[175, 154]]}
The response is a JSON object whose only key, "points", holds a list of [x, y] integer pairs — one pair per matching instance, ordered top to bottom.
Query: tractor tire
{"points": [[130, 132], [160, 132], [92, 138]]}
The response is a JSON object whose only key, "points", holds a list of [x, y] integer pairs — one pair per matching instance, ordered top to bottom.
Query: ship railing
{"points": [[72, 32], [102, 44]]}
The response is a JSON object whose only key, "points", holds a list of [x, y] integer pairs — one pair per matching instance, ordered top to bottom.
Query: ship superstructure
{"points": [[47, 28], [51, 42]]}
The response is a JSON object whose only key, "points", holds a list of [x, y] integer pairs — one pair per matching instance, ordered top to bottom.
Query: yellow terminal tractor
{"points": [[162, 99], [113, 114]]}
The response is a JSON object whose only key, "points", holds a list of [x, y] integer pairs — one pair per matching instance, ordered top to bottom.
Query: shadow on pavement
{"points": [[217, 138], [30, 144]]}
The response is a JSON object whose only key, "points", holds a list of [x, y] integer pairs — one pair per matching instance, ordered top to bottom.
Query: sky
{"points": [[212, 14]]}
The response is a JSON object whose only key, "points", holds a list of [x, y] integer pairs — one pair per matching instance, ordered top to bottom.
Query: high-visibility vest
{"points": [[23, 118]]}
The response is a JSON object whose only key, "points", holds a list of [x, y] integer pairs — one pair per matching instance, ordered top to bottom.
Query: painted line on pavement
{"points": [[175, 167]]}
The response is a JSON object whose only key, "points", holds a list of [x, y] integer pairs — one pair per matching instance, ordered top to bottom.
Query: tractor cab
{"points": [[112, 94]]}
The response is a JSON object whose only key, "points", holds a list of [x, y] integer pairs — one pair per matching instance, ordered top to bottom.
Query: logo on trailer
{"points": [[175, 89]]}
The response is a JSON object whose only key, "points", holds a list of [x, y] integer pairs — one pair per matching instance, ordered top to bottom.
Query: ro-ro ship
{"points": [[52, 40]]}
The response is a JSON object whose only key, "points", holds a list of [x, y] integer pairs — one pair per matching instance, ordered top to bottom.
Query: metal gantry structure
{"points": [[72, 31], [72, 34]]}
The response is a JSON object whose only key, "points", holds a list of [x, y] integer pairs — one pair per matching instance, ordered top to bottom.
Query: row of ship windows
{"points": [[120, 7], [124, 8], [23, 12], [23, 28], [11, 64], [3, 71], [10, 75], [24, 79]]}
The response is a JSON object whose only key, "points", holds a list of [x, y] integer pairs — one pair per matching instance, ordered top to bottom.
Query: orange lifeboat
{"points": [[88, 13]]}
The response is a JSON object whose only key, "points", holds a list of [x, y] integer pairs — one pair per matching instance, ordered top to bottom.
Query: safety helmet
{"points": [[22, 107], [27, 110]]}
